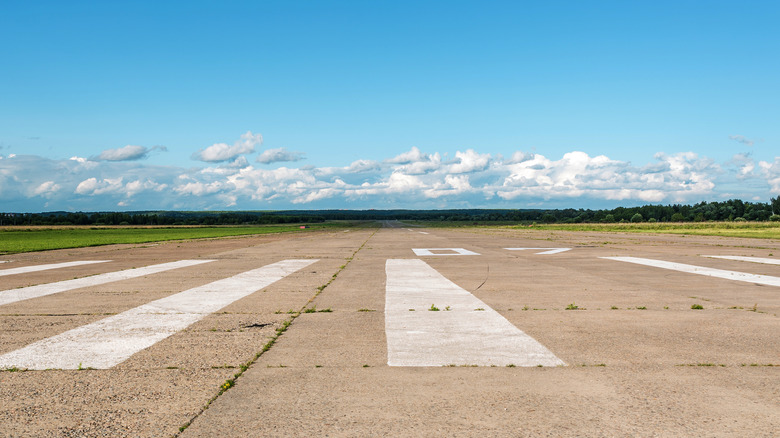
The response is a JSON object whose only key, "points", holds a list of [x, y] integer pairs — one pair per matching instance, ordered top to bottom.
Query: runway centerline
{"points": [[464, 330]]}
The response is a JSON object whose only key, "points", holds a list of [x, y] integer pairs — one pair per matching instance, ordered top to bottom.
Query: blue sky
{"points": [[386, 104]]}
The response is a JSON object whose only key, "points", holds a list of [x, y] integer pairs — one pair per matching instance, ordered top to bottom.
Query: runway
{"points": [[394, 331]]}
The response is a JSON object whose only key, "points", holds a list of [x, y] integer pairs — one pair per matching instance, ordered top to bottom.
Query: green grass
{"points": [[758, 230], [16, 240]]}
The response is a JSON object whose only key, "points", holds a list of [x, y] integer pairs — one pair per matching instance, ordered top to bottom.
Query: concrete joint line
{"points": [[279, 332]]}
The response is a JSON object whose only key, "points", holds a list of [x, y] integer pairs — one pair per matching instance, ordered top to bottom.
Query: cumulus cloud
{"points": [[221, 152], [127, 153], [279, 155], [411, 156], [469, 161], [415, 162], [360, 166], [771, 171], [46, 189]]}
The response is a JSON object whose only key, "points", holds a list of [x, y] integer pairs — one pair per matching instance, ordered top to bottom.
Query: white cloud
{"points": [[742, 139], [220, 152], [127, 153], [279, 155], [411, 156], [519, 157], [469, 161], [415, 162], [745, 165], [361, 166], [771, 172], [87, 186], [93, 186], [46, 189]]}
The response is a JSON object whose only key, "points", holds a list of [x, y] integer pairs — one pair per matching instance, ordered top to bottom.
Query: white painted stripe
{"points": [[423, 232], [549, 250], [452, 252], [747, 259], [26, 269], [710, 272], [25, 293], [460, 336], [110, 341]]}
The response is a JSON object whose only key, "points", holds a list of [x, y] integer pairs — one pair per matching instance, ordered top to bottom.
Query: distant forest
{"points": [[731, 210]]}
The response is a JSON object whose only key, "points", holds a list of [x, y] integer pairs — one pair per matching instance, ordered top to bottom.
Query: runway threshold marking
{"points": [[549, 251], [449, 252], [747, 259], [26, 269], [700, 270], [26, 293], [465, 331], [110, 341]]}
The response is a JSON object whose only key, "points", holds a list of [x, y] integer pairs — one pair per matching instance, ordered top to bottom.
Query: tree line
{"points": [[731, 210]]}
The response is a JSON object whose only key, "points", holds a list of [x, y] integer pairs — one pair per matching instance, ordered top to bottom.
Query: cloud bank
{"points": [[413, 179]]}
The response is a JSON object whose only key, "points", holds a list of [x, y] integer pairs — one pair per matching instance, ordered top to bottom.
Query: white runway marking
{"points": [[423, 232], [548, 250], [450, 252], [747, 259], [25, 269], [710, 272], [25, 293], [461, 335], [110, 341]]}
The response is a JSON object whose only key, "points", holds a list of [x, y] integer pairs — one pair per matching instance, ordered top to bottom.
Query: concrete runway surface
{"points": [[396, 331]]}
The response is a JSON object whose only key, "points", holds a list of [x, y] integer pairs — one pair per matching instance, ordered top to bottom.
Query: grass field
{"points": [[757, 230], [16, 240]]}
